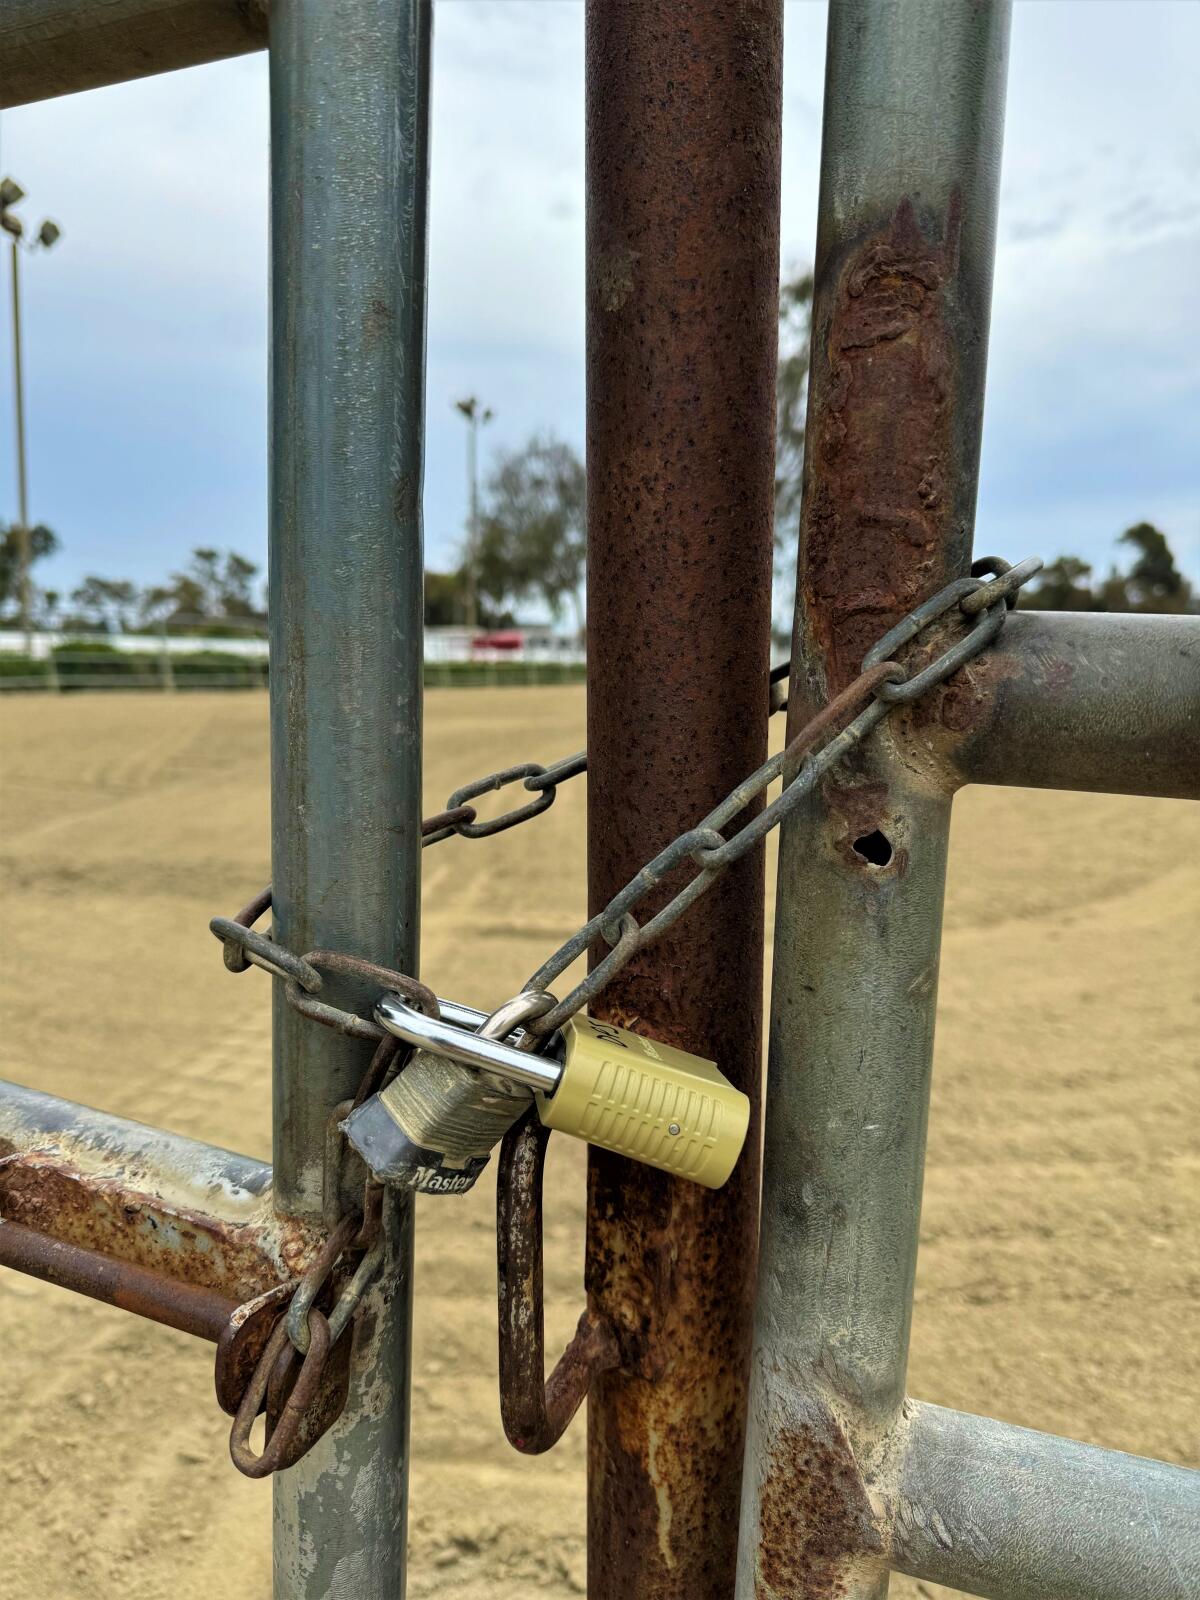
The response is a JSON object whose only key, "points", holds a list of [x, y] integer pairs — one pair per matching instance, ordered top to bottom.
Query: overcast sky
{"points": [[146, 326]]}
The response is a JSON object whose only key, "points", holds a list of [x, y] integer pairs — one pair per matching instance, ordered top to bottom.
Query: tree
{"points": [[791, 400], [533, 534], [42, 543], [1154, 582], [1062, 585], [216, 586], [445, 599], [446, 603], [108, 604]]}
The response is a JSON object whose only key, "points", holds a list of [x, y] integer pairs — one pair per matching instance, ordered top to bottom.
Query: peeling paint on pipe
{"points": [[179, 1209]]}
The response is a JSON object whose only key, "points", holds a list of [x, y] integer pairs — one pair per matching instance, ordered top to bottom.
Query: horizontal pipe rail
{"points": [[53, 47], [1063, 700], [184, 1212], [205, 1313], [1009, 1513]]}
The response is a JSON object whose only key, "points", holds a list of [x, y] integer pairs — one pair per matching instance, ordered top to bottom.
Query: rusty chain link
{"points": [[302, 1333]]}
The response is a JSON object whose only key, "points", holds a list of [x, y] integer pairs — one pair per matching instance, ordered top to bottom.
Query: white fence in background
{"points": [[441, 644]]}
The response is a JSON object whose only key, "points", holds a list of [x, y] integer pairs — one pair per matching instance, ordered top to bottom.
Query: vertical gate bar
{"points": [[349, 142], [683, 151], [909, 177]]}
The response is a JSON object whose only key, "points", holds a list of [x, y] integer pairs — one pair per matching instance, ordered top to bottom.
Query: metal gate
{"points": [[846, 1478]]}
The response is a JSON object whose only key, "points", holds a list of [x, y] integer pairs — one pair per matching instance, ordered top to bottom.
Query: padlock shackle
{"points": [[469, 1049]]}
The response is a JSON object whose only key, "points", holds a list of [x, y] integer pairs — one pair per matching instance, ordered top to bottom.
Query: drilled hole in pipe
{"points": [[874, 847]]}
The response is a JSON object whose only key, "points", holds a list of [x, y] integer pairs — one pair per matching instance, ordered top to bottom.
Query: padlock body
{"points": [[648, 1101], [434, 1126]]}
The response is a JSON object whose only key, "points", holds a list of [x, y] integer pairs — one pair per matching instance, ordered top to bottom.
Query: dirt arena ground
{"points": [[1060, 1264]]}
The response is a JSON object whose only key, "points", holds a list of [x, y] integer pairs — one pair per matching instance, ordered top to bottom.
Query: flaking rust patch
{"points": [[880, 485], [814, 1514]]}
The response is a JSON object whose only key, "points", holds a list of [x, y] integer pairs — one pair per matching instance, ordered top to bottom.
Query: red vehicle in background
{"points": [[503, 639]]}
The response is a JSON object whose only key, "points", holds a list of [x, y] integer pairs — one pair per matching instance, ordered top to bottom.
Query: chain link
{"points": [[542, 782], [244, 947]]}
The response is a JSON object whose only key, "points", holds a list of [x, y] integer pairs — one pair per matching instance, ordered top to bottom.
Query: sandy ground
{"points": [[1060, 1264]]}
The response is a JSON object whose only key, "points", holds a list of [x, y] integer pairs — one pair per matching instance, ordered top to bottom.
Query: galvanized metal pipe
{"points": [[53, 47], [683, 148], [349, 151], [909, 176], [1106, 703], [183, 1171], [1016, 1515]]}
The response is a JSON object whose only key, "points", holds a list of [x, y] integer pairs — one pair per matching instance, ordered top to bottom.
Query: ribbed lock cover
{"points": [[627, 1094]]}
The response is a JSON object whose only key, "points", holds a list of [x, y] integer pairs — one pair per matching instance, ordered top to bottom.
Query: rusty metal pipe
{"points": [[53, 47], [683, 149], [909, 179], [1107, 703], [175, 1207], [176, 1304], [535, 1410]]}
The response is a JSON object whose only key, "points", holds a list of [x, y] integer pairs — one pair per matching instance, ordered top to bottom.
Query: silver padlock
{"points": [[434, 1126]]}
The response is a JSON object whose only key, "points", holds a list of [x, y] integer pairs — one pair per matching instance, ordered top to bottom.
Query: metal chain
{"points": [[882, 684], [461, 818], [245, 948], [304, 1333]]}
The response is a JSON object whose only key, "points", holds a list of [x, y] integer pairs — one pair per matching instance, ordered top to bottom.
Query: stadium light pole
{"points": [[11, 193], [476, 416]]}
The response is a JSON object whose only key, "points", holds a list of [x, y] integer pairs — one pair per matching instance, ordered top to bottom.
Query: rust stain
{"points": [[377, 319], [880, 479], [937, 726], [859, 809], [108, 1217], [178, 1304], [662, 1432], [814, 1515]]}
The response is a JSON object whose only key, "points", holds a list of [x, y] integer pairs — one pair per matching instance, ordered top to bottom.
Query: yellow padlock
{"points": [[647, 1101], [432, 1127]]}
